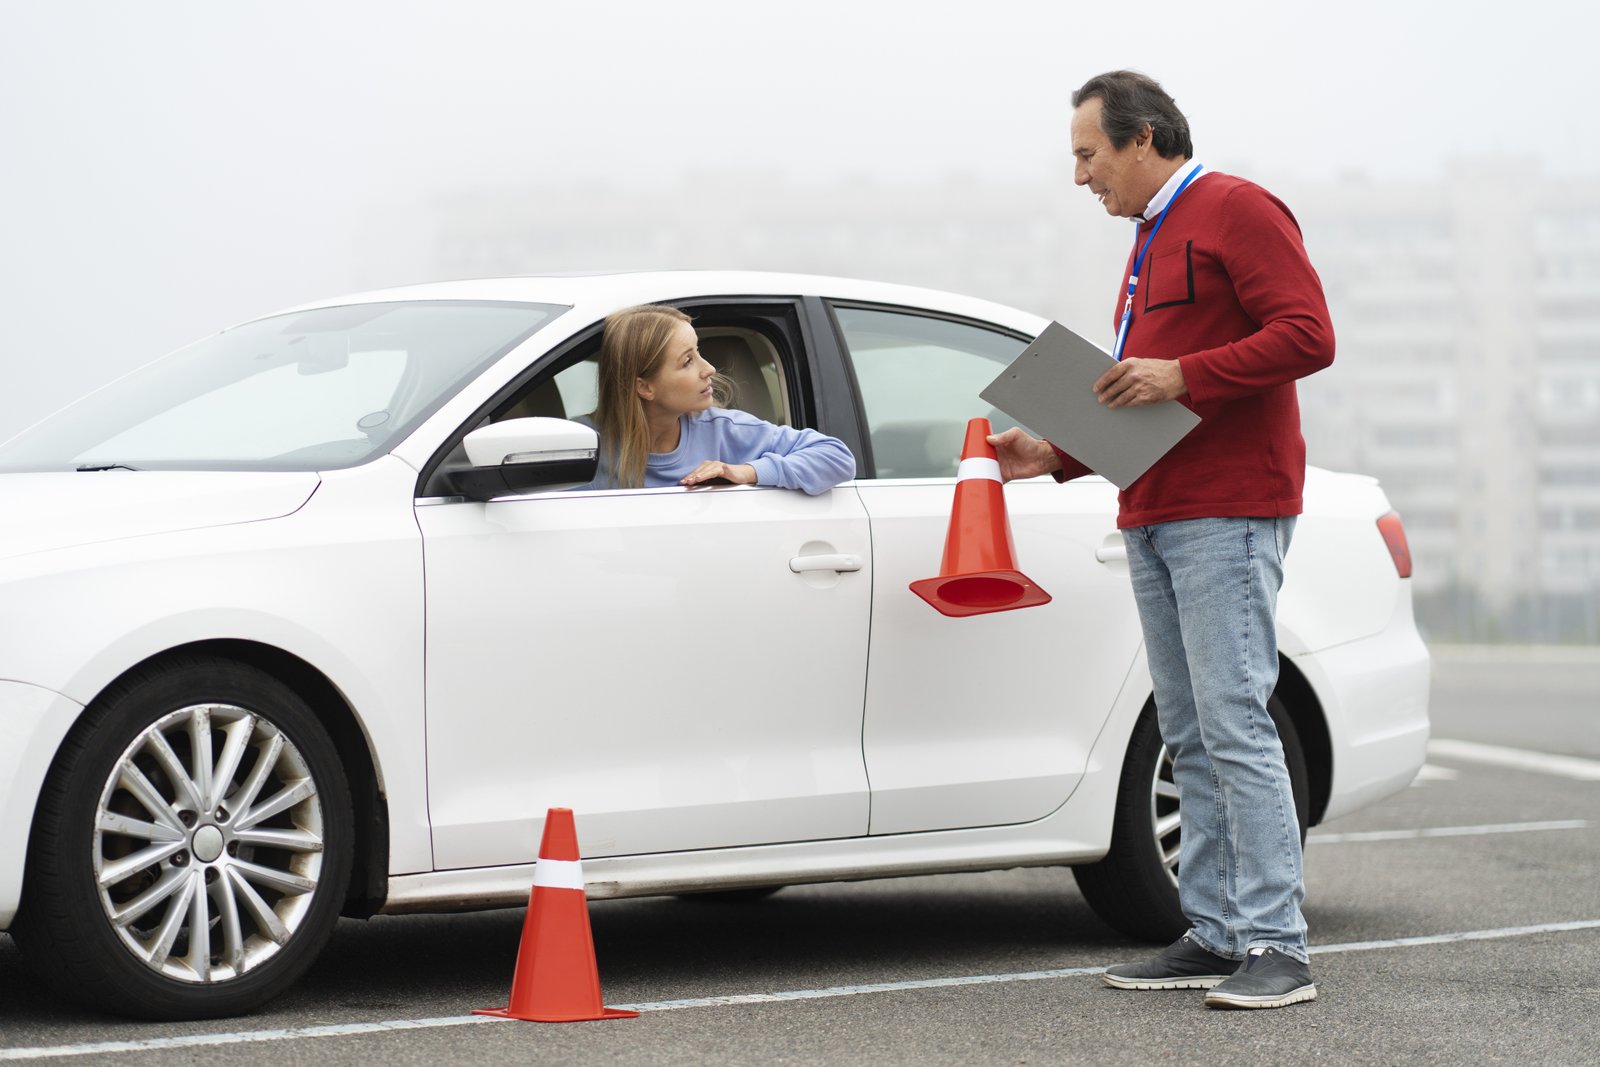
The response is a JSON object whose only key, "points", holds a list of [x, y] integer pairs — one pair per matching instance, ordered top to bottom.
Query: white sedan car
{"points": [[306, 620]]}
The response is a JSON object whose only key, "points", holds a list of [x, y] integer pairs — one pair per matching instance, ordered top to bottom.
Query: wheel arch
{"points": [[1310, 722], [369, 875]]}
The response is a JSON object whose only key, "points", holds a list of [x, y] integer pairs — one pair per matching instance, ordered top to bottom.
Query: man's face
{"points": [[1112, 174]]}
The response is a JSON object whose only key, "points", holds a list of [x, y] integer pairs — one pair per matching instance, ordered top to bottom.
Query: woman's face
{"points": [[681, 384]]}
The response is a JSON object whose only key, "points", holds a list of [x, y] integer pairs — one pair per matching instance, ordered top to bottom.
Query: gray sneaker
{"points": [[1184, 964], [1268, 979]]}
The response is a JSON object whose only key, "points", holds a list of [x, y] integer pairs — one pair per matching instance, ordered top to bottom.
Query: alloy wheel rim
{"points": [[1164, 820], [208, 843]]}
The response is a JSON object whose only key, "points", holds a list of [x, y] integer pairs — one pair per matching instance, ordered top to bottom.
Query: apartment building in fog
{"points": [[1468, 379]]}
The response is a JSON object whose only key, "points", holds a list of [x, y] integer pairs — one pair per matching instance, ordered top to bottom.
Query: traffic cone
{"points": [[979, 574], [556, 980]]}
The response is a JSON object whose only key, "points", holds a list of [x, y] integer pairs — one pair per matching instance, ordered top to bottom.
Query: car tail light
{"points": [[1394, 535]]}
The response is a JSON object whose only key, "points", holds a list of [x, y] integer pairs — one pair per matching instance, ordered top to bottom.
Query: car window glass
{"points": [[748, 358], [919, 379], [578, 387], [310, 390], [568, 393], [322, 412]]}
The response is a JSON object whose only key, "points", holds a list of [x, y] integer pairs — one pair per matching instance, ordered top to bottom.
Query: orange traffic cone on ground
{"points": [[979, 572], [556, 980]]}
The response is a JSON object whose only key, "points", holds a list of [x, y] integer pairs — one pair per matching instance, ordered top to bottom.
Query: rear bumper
{"points": [[1374, 693]]}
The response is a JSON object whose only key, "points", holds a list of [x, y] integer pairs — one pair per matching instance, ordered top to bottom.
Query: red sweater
{"points": [[1228, 292]]}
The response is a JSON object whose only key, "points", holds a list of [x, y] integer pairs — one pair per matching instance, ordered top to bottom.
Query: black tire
{"points": [[267, 886], [1134, 889]]}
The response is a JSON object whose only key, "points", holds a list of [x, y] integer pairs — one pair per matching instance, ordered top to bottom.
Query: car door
{"points": [[662, 661], [985, 720]]}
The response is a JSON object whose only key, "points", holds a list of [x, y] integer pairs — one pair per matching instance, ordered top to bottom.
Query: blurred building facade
{"points": [[1467, 311], [1468, 381]]}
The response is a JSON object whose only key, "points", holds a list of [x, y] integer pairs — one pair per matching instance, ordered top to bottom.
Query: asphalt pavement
{"points": [[1456, 923]]}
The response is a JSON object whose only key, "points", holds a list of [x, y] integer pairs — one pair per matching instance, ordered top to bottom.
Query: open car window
{"points": [[754, 345], [745, 357]]}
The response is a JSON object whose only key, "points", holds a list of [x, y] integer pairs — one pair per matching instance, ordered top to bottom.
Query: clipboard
{"points": [[1050, 387]]}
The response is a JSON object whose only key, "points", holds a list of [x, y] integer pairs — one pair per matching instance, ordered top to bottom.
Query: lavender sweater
{"points": [[782, 456]]}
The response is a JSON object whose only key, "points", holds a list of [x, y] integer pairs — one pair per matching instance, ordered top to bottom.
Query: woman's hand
{"points": [[737, 473]]}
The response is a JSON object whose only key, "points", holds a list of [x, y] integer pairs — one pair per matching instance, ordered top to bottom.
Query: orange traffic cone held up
{"points": [[979, 572], [556, 980]]}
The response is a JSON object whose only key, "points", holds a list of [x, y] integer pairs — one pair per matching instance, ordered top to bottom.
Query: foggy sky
{"points": [[171, 168]]}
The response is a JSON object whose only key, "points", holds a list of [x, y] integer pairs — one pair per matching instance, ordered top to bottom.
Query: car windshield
{"points": [[309, 390]]}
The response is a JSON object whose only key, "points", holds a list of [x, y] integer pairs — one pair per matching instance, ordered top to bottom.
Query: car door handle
{"points": [[1111, 554], [825, 562]]}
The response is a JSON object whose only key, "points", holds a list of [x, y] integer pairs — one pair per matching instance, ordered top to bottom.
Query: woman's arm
{"points": [[783, 456], [804, 459]]}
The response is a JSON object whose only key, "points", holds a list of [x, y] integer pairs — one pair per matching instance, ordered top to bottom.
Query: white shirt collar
{"points": [[1164, 196]]}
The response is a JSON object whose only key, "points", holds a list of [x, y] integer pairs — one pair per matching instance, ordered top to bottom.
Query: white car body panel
{"points": [[52, 512], [1339, 582], [311, 583], [576, 638], [1374, 696], [988, 720], [964, 744], [1078, 831]]}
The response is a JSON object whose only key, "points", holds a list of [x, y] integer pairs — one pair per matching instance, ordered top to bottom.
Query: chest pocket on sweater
{"points": [[1171, 278]]}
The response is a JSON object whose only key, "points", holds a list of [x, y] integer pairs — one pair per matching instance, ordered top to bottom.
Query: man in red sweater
{"points": [[1219, 310]]}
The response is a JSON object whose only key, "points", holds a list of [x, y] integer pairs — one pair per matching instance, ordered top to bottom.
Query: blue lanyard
{"points": [[1138, 262]]}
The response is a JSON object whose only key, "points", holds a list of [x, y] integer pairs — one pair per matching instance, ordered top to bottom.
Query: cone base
{"points": [[980, 593], [605, 1013]]}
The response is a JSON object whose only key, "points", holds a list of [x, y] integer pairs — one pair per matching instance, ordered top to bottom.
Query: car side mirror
{"points": [[527, 455]]}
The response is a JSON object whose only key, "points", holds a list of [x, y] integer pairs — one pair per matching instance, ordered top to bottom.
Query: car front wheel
{"points": [[191, 848], [1135, 887]]}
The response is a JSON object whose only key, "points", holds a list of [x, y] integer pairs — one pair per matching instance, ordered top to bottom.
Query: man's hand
{"points": [[1136, 382], [1022, 456], [712, 469]]}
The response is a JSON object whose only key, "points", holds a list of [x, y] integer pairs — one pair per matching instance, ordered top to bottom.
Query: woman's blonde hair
{"points": [[635, 341]]}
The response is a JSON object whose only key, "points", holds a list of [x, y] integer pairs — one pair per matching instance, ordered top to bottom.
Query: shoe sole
{"points": [[1199, 981], [1282, 1000]]}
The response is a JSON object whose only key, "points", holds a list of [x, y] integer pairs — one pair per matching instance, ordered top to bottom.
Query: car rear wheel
{"points": [[192, 845], [1135, 887]]}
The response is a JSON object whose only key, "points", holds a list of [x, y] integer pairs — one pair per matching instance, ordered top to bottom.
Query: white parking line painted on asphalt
{"points": [[1520, 759], [1446, 831], [1466, 935], [874, 987], [351, 1029], [161, 1044]]}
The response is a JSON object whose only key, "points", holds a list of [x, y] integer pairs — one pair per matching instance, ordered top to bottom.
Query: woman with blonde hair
{"points": [[660, 425]]}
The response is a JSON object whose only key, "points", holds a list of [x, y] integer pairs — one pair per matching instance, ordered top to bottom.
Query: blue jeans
{"points": [[1207, 591]]}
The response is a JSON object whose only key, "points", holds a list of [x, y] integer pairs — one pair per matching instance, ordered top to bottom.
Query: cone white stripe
{"points": [[978, 467], [558, 874]]}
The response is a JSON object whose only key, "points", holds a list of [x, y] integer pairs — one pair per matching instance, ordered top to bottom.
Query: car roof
{"points": [[599, 293]]}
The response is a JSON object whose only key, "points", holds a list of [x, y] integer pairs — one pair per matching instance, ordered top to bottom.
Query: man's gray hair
{"points": [[1130, 100]]}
